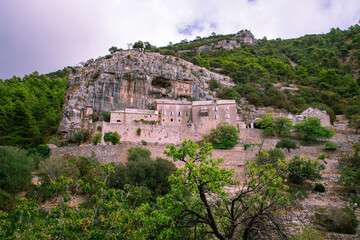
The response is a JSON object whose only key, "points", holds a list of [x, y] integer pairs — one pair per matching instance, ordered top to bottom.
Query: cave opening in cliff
{"points": [[160, 82]]}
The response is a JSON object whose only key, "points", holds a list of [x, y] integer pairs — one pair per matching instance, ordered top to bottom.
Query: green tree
{"points": [[139, 45], [113, 50], [106, 116], [355, 122], [283, 126], [311, 129], [80, 135], [225, 136], [115, 138], [96, 139], [286, 143], [303, 168], [15, 169], [200, 205]]}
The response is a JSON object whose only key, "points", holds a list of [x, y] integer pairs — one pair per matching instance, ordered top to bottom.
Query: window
{"points": [[177, 106], [226, 107], [215, 108], [164, 113], [171, 113], [179, 113], [187, 113], [150, 115], [216, 116], [227, 116], [204, 117], [118, 120], [163, 120], [171, 120], [179, 120]]}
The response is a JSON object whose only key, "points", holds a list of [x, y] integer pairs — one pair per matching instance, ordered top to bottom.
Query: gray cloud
{"points": [[48, 35]]}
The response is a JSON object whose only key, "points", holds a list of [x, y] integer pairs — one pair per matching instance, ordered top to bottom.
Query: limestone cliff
{"points": [[131, 79]]}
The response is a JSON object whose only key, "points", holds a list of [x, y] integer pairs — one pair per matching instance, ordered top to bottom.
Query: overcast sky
{"points": [[47, 35]]}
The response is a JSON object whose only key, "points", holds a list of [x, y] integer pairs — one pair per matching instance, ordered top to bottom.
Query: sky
{"points": [[47, 35]]}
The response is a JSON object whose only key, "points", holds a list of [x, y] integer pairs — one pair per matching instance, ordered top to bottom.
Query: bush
{"points": [[213, 84], [106, 116], [99, 128], [311, 129], [138, 131], [81, 135], [225, 136], [112, 137], [115, 138], [55, 139], [96, 139], [144, 142], [286, 143], [331, 146], [41, 150], [271, 156], [303, 168], [15, 169], [141, 170], [319, 187], [7, 201], [335, 219], [308, 233]]}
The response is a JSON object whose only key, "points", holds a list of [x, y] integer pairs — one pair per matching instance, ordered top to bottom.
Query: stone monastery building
{"points": [[172, 121]]}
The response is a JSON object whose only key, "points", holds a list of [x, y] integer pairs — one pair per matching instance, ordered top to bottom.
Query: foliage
{"points": [[213, 84], [229, 93], [30, 108], [106, 116], [150, 122], [355, 122], [283, 126], [311, 129], [138, 131], [80, 135], [225, 136], [112, 137], [115, 138], [55, 139], [96, 139], [143, 142], [286, 143], [247, 145], [331, 146], [41, 150], [272, 156], [303, 168], [15, 169], [141, 170], [350, 173], [319, 187], [7, 201], [199, 204], [335, 219], [308, 233]]}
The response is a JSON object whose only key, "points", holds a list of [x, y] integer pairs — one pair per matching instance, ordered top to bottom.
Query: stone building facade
{"points": [[312, 112], [172, 121]]}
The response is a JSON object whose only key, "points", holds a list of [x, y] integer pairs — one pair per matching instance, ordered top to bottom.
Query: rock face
{"points": [[241, 37], [131, 79]]}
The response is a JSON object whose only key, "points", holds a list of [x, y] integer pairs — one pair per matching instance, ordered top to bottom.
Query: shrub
{"points": [[213, 84], [106, 116], [99, 128], [311, 129], [138, 131], [81, 135], [107, 136], [225, 136], [115, 138], [55, 139], [96, 139], [144, 142], [286, 143], [331, 146], [40, 150], [271, 156], [56, 166], [303, 168], [15, 169], [141, 170], [319, 187], [297, 194], [7, 201], [336, 219], [308, 233]]}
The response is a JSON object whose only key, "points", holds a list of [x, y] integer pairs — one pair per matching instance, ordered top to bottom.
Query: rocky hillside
{"points": [[131, 79]]}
